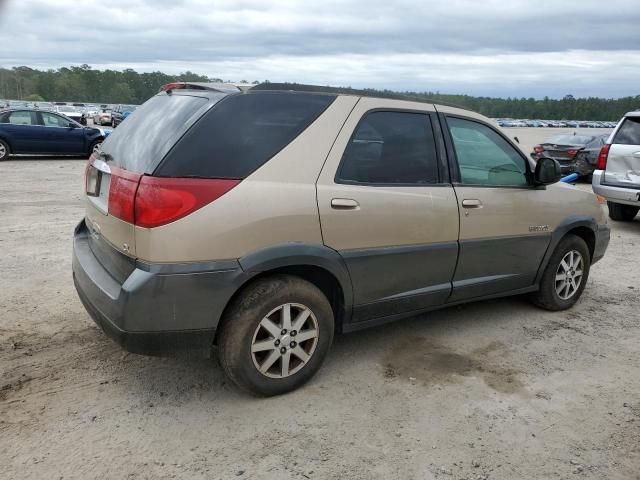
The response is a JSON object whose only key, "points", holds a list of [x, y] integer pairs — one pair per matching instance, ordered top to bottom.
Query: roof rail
{"points": [[369, 92]]}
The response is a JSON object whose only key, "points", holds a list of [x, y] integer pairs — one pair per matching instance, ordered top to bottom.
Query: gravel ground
{"points": [[491, 390]]}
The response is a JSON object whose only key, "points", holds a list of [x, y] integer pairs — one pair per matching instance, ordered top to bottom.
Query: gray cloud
{"points": [[491, 47]]}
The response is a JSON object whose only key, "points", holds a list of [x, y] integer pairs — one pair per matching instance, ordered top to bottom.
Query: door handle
{"points": [[471, 203], [344, 204]]}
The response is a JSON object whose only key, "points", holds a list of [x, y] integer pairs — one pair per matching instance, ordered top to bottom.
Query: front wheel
{"points": [[95, 146], [4, 150], [620, 212], [565, 276], [275, 335]]}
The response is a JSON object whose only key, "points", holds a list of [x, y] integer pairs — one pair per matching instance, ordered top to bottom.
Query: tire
{"points": [[5, 151], [621, 212], [549, 297], [242, 328]]}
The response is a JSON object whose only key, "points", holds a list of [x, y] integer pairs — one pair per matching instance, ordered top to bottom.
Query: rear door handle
{"points": [[471, 203], [344, 204]]}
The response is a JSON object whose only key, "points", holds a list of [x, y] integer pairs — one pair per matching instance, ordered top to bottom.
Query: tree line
{"points": [[85, 84]]}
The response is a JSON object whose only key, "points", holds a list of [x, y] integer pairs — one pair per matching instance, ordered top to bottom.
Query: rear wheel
{"points": [[4, 150], [619, 211], [565, 276], [275, 335]]}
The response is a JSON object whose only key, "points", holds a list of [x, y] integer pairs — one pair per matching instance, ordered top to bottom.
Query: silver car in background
{"points": [[617, 177]]}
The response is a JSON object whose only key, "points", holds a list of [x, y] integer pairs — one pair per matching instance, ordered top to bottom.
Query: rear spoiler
{"points": [[213, 86]]}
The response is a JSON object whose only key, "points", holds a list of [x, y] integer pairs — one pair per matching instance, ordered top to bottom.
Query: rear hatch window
{"points": [[629, 132], [241, 133], [141, 142], [623, 163]]}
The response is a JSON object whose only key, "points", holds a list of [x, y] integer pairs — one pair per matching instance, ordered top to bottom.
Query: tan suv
{"points": [[262, 222]]}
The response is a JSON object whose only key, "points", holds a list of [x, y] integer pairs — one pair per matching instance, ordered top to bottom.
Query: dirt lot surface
{"points": [[491, 390]]}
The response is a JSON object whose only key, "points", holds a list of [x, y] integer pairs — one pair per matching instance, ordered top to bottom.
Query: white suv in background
{"points": [[617, 177]]}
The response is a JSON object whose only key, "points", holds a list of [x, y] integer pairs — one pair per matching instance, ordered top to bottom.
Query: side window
{"points": [[23, 118], [51, 120], [629, 132], [391, 147], [484, 157]]}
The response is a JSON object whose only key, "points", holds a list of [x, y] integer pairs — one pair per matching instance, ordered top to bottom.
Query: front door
{"points": [[61, 135], [386, 207], [505, 222]]}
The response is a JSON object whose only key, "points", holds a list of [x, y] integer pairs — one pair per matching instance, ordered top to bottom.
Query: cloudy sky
{"points": [[478, 47]]}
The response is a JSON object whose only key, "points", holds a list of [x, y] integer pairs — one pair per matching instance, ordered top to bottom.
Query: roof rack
{"points": [[369, 92]]}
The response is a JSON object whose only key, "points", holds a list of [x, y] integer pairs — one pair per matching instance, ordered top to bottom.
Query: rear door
{"points": [[21, 128], [623, 163], [387, 207], [505, 223]]}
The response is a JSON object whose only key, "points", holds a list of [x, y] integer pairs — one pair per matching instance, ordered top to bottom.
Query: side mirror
{"points": [[73, 125], [547, 171]]}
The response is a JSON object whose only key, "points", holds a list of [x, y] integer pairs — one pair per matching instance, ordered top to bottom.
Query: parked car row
{"points": [[100, 114], [507, 122]]}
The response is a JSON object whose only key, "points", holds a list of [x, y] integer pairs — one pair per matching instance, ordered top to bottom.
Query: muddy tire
{"points": [[622, 213], [565, 276], [275, 335]]}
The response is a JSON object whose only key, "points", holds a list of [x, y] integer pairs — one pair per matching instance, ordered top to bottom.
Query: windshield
{"points": [[570, 139], [140, 143]]}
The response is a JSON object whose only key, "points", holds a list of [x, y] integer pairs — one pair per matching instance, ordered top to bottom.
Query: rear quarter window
{"points": [[629, 132], [241, 133]]}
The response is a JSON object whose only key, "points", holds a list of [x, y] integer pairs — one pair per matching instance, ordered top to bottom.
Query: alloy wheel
{"points": [[3, 151], [569, 274], [284, 340]]}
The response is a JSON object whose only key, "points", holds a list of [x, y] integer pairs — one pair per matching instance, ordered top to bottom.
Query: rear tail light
{"points": [[538, 149], [572, 152], [602, 157], [122, 194], [163, 200], [154, 201]]}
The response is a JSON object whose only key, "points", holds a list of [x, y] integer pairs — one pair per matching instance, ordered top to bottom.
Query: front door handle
{"points": [[471, 203], [344, 204]]}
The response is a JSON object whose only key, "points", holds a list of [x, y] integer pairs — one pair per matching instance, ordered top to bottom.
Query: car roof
{"points": [[300, 87], [633, 114]]}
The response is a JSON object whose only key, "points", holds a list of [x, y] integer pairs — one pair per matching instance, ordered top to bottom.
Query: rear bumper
{"points": [[625, 195], [157, 309]]}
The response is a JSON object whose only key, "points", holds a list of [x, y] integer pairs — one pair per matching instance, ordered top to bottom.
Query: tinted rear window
{"points": [[629, 132], [241, 133], [141, 142]]}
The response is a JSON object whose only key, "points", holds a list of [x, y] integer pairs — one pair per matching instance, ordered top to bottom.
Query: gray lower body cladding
{"points": [[156, 308]]}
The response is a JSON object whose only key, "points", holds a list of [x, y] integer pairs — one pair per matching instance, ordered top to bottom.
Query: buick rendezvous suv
{"points": [[259, 223]]}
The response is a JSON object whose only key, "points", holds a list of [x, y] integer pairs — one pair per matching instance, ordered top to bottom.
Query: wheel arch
{"points": [[8, 142], [583, 226], [317, 264]]}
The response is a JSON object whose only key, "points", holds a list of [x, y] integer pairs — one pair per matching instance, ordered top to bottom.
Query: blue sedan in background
{"points": [[31, 131]]}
